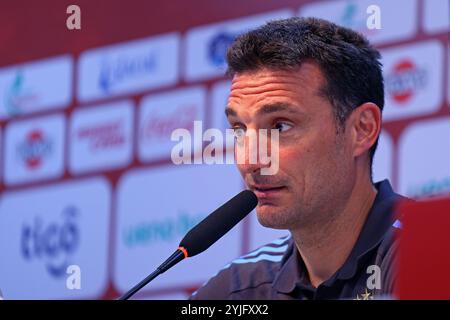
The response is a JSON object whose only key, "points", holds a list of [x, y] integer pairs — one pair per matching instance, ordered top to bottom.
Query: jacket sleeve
{"points": [[216, 288]]}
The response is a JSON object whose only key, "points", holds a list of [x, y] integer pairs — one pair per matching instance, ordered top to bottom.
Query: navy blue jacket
{"points": [[277, 271]]}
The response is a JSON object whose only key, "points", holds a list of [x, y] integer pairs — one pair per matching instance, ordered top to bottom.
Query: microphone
{"points": [[205, 234]]}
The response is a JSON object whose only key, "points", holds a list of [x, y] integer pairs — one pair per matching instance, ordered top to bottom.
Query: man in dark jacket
{"points": [[321, 87]]}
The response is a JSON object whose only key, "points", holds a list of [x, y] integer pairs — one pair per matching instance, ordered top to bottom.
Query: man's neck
{"points": [[325, 247]]}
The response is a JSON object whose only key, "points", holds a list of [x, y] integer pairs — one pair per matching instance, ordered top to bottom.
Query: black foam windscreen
{"points": [[214, 226]]}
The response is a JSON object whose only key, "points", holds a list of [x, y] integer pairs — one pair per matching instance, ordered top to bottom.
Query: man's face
{"points": [[316, 168]]}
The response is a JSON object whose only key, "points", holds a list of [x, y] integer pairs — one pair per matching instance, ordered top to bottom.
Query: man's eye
{"points": [[282, 126]]}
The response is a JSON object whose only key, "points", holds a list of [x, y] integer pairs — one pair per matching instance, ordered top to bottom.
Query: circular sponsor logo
{"points": [[405, 80], [35, 147]]}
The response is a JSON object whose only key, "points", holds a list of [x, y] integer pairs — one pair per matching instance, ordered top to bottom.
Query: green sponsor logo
{"points": [[349, 17], [18, 96], [430, 188], [168, 229]]}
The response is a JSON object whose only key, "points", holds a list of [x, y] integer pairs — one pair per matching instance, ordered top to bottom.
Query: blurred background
{"points": [[86, 177]]}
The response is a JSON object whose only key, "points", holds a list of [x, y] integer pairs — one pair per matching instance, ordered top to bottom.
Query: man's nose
{"points": [[247, 150]]}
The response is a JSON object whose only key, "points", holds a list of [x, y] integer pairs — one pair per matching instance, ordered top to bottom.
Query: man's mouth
{"points": [[267, 191]]}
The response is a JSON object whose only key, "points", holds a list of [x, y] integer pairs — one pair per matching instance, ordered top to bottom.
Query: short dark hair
{"points": [[349, 63]]}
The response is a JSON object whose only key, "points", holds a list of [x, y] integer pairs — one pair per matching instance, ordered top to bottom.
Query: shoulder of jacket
{"points": [[249, 270]]}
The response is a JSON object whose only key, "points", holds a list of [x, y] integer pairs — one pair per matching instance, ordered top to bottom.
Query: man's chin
{"points": [[267, 208], [271, 216]]}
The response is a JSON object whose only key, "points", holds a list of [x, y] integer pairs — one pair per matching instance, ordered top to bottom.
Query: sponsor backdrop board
{"points": [[87, 183]]}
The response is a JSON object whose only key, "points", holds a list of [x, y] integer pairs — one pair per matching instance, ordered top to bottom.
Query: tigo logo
{"points": [[45, 230], [53, 243]]}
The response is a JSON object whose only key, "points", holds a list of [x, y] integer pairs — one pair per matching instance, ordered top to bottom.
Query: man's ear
{"points": [[365, 127]]}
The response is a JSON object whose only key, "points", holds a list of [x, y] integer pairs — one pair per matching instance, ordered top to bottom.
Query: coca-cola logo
{"points": [[404, 80], [161, 126], [35, 148], [53, 243]]}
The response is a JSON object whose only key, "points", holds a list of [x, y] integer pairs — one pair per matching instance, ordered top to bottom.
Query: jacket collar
{"points": [[378, 222]]}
